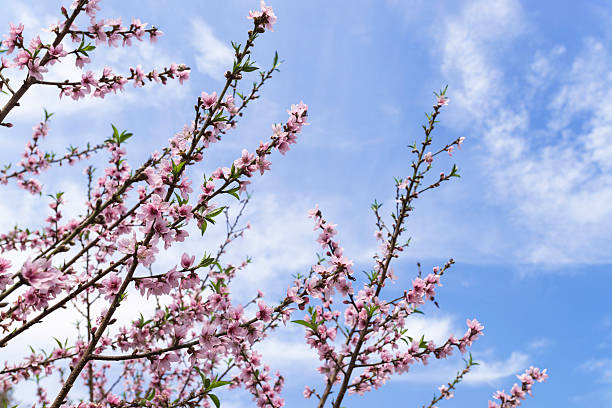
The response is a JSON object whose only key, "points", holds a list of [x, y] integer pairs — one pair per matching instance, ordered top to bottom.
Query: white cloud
{"points": [[214, 57], [546, 168], [281, 243], [437, 329], [540, 344], [288, 355], [602, 369], [490, 371]]}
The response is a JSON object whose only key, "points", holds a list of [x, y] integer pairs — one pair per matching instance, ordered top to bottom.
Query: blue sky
{"points": [[528, 223]]}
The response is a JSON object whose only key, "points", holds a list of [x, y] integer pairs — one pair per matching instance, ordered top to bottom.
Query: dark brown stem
{"points": [[396, 233]]}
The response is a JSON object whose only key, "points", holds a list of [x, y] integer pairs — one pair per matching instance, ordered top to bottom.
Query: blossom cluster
{"points": [[37, 57], [199, 337], [519, 391]]}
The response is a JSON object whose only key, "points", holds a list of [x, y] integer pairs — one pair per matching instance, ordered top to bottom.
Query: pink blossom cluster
{"points": [[37, 57], [34, 161], [367, 320], [199, 337], [519, 391]]}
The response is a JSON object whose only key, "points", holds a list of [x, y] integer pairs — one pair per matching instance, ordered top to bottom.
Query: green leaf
{"points": [[276, 62], [47, 114], [219, 117], [124, 136], [176, 168], [454, 171], [233, 192], [180, 200], [216, 212], [203, 227], [206, 261], [306, 324], [422, 342], [59, 343], [201, 374], [218, 384], [215, 400]]}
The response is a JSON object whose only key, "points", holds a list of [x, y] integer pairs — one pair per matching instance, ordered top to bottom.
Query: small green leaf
{"points": [[250, 68], [47, 114], [176, 168], [454, 171], [233, 192], [216, 212], [206, 261], [305, 323], [422, 342], [59, 343], [217, 384], [215, 400]]}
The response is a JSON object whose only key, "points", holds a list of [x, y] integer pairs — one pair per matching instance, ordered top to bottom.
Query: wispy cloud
{"points": [[213, 56], [546, 167], [490, 371]]}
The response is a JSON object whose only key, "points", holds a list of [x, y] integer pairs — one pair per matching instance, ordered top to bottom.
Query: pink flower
{"points": [[266, 14], [153, 35], [57, 53], [22, 59], [81, 61], [4, 63], [139, 76], [183, 76], [88, 80], [208, 100], [443, 100], [460, 141], [428, 157], [245, 160], [208, 188], [314, 212], [187, 261], [5, 264], [40, 274], [5, 278], [111, 285], [292, 295], [264, 313], [474, 325], [207, 338], [163, 364], [308, 392], [113, 399]]}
